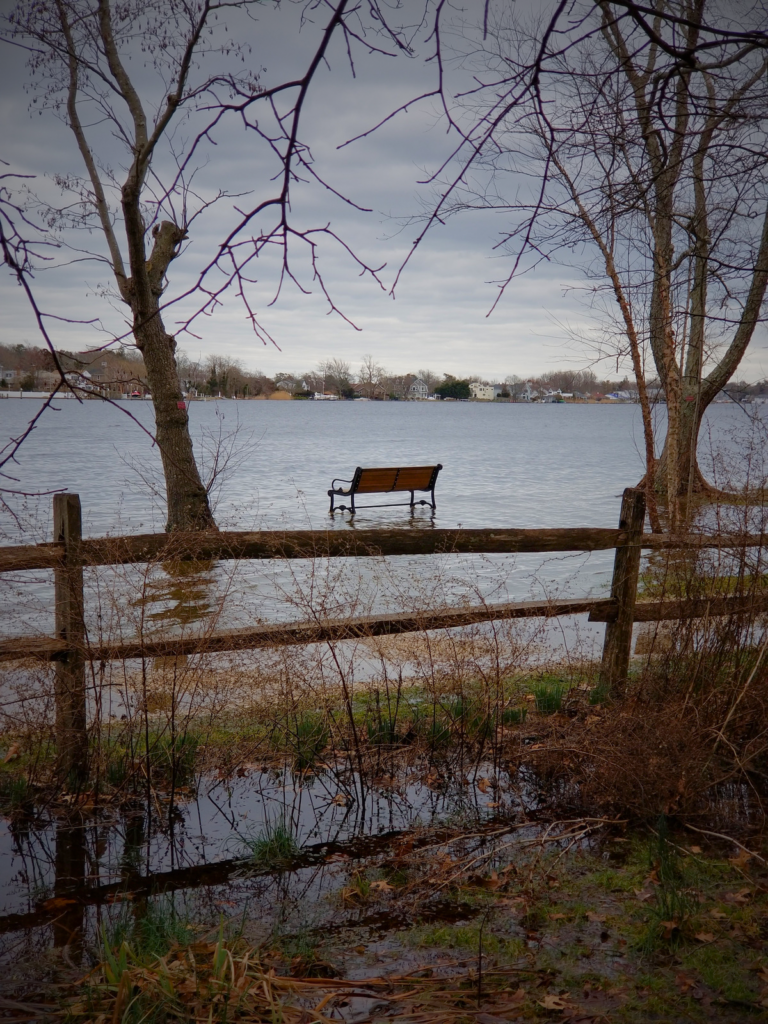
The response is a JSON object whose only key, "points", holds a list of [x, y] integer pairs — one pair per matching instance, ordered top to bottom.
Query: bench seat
{"points": [[386, 480]]}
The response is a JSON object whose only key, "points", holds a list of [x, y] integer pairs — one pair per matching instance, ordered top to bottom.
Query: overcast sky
{"points": [[438, 318]]}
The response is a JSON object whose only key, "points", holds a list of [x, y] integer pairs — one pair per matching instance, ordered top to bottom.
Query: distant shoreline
{"points": [[68, 395]]}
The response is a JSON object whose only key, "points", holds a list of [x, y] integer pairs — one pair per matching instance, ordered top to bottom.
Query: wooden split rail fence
{"points": [[70, 648]]}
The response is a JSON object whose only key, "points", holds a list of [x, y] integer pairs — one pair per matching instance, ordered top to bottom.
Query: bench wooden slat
{"points": [[415, 478], [377, 480]]}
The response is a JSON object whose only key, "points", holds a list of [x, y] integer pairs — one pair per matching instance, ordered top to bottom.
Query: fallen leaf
{"points": [[13, 753], [385, 781], [483, 785], [341, 800], [494, 803], [694, 849], [741, 859], [492, 881], [381, 886], [643, 895], [742, 896], [58, 901], [718, 915], [557, 917], [595, 918], [669, 928], [704, 937], [360, 949], [684, 983], [517, 997], [554, 1003]]}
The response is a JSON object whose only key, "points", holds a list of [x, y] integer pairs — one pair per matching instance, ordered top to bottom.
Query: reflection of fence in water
{"points": [[70, 648]]}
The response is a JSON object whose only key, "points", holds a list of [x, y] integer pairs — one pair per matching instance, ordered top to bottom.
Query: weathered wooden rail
{"points": [[70, 648]]}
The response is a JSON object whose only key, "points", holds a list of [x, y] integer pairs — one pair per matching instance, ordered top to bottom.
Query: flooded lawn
{"points": [[263, 838], [429, 894]]}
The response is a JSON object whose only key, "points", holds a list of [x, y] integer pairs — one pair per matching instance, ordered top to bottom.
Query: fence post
{"points": [[617, 647], [69, 684]]}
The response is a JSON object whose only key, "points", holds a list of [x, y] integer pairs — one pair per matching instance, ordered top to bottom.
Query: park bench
{"points": [[387, 481]]}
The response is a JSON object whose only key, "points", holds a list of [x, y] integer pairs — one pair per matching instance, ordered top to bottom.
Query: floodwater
{"points": [[504, 465], [508, 465], [62, 873]]}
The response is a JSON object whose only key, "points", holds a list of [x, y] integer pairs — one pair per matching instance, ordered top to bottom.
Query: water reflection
{"points": [[182, 595], [64, 873], [69, 881]]}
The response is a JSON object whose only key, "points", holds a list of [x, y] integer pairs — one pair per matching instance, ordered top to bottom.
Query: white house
{"points": [[418, 390], [485, 392], [528, 392]]}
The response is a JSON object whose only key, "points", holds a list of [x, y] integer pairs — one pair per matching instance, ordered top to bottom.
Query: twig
{"points": [[728, 839]]}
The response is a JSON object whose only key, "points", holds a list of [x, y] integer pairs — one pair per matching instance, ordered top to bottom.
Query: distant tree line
{"points": [[30, 368]]}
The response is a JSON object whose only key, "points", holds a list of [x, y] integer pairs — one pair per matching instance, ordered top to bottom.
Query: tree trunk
{"points": [[688, 475], [188, 507]]}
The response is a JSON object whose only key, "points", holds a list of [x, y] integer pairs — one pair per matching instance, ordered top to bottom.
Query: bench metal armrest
{"points": [[338, 480]]}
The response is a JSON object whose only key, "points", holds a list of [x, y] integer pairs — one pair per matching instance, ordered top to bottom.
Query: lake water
{"points": [[503, 465]]}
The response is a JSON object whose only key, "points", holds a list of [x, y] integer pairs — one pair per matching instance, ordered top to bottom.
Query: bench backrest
{"points": [[405, 478]]}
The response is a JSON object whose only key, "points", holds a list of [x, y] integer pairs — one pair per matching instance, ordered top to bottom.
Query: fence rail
{"points": [[152, 547], [69, 554]]}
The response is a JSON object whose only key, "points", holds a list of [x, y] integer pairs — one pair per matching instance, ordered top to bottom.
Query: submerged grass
{"points": [[274, 846], [161, 924]]}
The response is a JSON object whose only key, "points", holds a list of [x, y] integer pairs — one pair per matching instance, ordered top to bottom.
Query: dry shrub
{"points": [[692, 727]]}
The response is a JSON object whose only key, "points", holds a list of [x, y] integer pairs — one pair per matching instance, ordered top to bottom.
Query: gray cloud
{"points": [[439, 316]]}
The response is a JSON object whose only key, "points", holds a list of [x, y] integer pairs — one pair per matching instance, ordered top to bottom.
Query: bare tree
{"points": [[144, 68], [655, 163], [337, 376], [370, 376]]}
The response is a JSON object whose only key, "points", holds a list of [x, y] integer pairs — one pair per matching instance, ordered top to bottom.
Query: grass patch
{"points": [[548, 694], [514, 716], [16, 794], [274, 847], [148, 935], [465, 937]]}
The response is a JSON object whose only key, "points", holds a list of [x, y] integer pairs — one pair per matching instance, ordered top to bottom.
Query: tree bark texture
{"points": [[187, 499], [188, 507]]}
